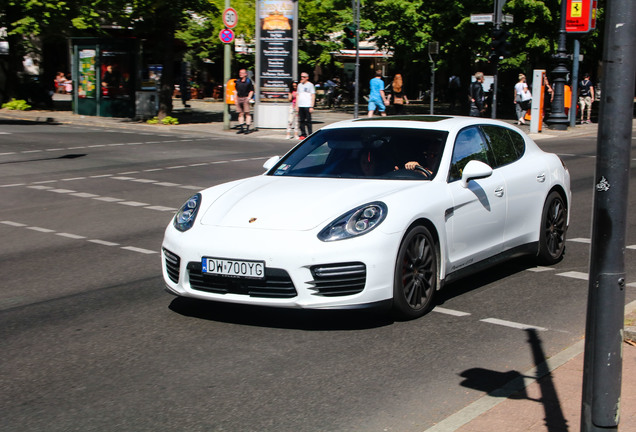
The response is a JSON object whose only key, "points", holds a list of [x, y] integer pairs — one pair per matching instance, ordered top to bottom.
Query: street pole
{"points": [[433, 48], [227, 58], [575, 82], [495, 84], [356, 96], [558, 120], [602, 368]]}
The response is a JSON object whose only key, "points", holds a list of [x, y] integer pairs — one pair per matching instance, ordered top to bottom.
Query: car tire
{"points": [[554, 220], [416, 274]]}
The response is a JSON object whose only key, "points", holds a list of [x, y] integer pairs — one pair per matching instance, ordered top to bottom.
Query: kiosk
{"points": [[105, 76]]}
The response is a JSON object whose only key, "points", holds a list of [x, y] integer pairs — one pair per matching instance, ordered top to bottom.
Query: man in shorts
{"points": [[242, 95], [377, 98]]}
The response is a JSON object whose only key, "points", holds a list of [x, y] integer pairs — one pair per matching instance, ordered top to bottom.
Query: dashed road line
{"points": [[78, 237], [540, 269], [574, 275], [450, 311], [512, 324]]}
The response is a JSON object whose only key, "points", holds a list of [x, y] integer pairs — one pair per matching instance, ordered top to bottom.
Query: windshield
{"points": [[365, 153]]}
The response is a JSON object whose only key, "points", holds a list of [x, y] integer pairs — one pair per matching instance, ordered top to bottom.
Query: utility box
{"points": [[146, 104]]}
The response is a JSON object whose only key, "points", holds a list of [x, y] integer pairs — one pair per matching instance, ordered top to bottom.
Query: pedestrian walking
{"points": [[520, 91], [242, 95], [476, 96], [398, 97], [377, 98], [586, 98], [305, 99], [292, 118]]}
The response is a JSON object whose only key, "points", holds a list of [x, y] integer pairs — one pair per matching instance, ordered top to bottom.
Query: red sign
{"points": [[579, 16], [230, 18], [226, 36]]}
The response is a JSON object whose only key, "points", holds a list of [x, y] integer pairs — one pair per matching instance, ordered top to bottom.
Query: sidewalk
{"points": [[206, 117], [546, 398], [551, 403]]}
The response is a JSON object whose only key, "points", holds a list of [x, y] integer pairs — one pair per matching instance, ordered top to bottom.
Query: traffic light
{"points": [[349, 38], [500, 45]]}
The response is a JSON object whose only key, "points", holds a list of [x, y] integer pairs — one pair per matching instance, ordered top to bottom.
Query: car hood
{"points": [[292, 203]]}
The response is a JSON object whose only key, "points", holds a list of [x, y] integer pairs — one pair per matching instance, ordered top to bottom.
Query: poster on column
{"points": [[276, 41]]}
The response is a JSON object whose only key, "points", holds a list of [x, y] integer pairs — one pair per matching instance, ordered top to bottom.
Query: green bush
{"points": [[18, 105], [166, 120]]}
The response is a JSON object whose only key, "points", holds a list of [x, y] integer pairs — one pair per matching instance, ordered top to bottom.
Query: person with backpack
{"points": [[586, 98]]}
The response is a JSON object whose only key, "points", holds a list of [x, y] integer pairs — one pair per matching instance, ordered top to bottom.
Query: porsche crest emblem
{"points": [[252, 220]]}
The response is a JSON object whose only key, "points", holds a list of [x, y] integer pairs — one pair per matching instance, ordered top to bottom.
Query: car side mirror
{"points": [[269, 163], [475, 170]]}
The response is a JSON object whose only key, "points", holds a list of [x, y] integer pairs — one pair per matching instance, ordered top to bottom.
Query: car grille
{"points": [[173, 263], [332, 280], [276, 284]]}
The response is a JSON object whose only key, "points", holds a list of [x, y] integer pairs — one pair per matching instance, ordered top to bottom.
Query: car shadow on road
{"points": [[484, 277], [299, 319], [511, 385]]}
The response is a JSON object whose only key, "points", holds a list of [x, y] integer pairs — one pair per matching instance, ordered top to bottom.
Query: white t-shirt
{"points": [[520, 88], [303, 99]]}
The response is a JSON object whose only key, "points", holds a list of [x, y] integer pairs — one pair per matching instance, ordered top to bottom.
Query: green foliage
{"points": [[18, 105], [167, 120]]}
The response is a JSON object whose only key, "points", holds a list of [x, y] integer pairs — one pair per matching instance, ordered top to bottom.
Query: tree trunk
{"points": [[167, 75]]}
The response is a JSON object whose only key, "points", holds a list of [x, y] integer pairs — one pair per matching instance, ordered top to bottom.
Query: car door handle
{"points": [[541, 178], [499, 191]]}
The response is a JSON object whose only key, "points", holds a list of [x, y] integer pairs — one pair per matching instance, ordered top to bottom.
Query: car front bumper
{"points": [[301, 270]]}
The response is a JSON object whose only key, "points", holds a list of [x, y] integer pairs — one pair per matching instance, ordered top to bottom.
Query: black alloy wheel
{"points": [[554, 221], [416, 274]]}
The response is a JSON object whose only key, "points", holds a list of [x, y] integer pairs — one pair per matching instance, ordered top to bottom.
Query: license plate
{"points": [[234, 268]]}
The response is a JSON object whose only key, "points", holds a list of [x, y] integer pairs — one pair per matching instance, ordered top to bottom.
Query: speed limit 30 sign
{"points": [[230, 18]]}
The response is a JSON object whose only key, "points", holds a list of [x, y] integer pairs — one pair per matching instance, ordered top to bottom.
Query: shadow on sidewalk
{"points": [[511, 385]]}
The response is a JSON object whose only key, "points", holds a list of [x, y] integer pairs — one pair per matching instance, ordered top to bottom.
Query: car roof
{"points": [[440, 122]]}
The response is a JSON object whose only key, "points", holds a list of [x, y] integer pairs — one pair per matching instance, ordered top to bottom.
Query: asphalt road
{"points": [[92, 342]]}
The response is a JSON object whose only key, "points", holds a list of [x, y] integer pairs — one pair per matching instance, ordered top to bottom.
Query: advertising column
{"points": [[275, 61]]}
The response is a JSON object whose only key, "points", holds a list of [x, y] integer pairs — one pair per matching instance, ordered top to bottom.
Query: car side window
{"points": [[518, 142], [501, 143], [469, 145]]}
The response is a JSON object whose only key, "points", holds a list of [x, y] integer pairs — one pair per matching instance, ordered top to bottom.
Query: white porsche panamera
{"points": [[372, 211]]}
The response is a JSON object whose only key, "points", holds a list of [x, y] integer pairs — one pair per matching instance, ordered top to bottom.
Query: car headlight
{"points": [[184, 219], [357, 222]]}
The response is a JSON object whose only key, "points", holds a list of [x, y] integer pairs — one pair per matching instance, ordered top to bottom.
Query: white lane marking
{"points": [[54, 149], [31, 151], [8, 153], [176, 167], [101, 176], [123, 178], [73, 179], [144, 180], [44, 181], [167, 184], [13, 185], [40, 187], [192, 187], [62, 191], [84, 195], [108, 199], [133, 203], [162, 208], [13, 224], [40, 229], [69, 235], [78, 237], [581, 240], [103, 242], [631, 247], [140, 250], [540, 269], [574, 275], [450, 311], [512, 324]]}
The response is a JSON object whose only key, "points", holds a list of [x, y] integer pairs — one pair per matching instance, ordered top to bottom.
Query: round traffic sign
{"points": [[230, 18], [226, 35]]}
